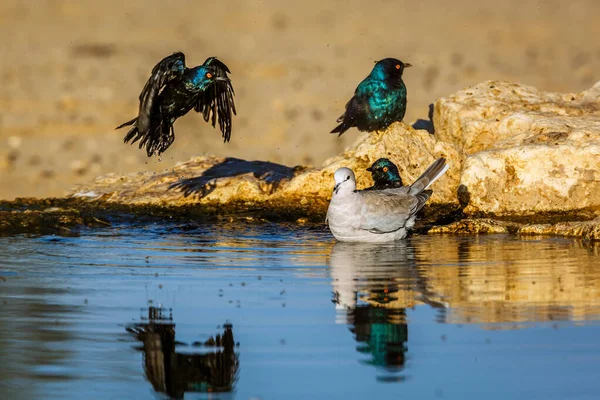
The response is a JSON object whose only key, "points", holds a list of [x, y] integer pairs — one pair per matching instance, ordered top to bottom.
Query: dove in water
{"points": [[378, 215]]}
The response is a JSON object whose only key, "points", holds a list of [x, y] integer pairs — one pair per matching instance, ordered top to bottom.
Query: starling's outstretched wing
{"points": [[218, 64], [167, 69], [217, 100], [148, 124]]}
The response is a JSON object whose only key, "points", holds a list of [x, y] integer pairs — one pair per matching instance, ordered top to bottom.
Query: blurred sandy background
{"points": [[72, 70]]}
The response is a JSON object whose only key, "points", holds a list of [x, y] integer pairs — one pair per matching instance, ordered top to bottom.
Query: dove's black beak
{"points": [[336, 188]]}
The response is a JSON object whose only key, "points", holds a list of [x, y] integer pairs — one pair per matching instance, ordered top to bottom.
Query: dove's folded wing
{"points": [[386, 211]]}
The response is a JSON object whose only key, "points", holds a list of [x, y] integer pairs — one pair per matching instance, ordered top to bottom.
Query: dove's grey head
{"points": [[344, 180]]}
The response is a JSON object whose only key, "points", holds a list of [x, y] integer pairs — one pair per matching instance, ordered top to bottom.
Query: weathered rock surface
{"points": [[481, 117], [526, 151]]}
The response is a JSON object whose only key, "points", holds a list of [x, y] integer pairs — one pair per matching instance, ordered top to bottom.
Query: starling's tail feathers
{"points": [[130, 122], [341, 128], [133, 135], [156, 140]]}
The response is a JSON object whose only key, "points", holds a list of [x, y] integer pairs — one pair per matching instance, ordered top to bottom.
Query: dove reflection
{"points": [[371, 287]]}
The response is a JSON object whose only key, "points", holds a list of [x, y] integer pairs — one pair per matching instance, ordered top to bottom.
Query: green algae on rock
{"points": [[31, 216], [66, 216], [477, 225], [587, 230]]}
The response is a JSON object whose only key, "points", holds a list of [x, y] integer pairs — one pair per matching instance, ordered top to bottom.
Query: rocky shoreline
{"points": [[521, 161]]}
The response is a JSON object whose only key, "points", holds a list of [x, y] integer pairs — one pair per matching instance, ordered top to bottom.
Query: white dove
{"points": [[377, 215]]}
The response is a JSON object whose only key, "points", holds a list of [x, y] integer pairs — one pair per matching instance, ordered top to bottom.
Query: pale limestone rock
{"points": [[479, 117], [526, 151], [531, 179]]}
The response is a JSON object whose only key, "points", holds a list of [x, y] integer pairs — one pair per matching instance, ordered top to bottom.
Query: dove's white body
{"points": [[345, 216], [377, 216]]}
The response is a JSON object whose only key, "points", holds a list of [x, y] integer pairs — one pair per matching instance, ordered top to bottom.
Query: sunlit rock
{"points": [[481, 117], [526, 151], [208, 179]]}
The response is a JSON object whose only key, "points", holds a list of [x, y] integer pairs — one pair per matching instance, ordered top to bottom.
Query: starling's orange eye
{"points": [[397, 66], [208, 75], [385, 169]]}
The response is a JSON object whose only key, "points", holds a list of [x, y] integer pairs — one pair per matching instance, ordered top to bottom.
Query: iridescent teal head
{"points": [[389, 69], [205, 75], [385, 172]]}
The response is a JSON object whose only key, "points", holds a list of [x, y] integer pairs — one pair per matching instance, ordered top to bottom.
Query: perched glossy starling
{"points": [[171, 92], [378, 101], [385, 175]]}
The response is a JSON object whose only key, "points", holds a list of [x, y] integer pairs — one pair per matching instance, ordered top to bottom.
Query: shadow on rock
{"points": [[426, 124], [271, 174], [175, 373]]}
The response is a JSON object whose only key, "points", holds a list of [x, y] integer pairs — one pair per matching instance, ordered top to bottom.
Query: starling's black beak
{"points": [[407, 65], [221, 79], [370, 169]]}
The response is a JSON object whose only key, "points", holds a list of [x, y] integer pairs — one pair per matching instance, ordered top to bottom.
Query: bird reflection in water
{"points": [[371, 292], [175, 373]]}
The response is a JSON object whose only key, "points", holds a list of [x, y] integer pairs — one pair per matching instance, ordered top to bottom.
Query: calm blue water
{"points": [[471, 317]]}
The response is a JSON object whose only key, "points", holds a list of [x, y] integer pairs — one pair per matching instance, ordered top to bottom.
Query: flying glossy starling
{"points": [[171, 92], [378, 101], [385, 175]]}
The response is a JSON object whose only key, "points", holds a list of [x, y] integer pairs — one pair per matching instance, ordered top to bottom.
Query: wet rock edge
{"points": [[67, 216]]}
